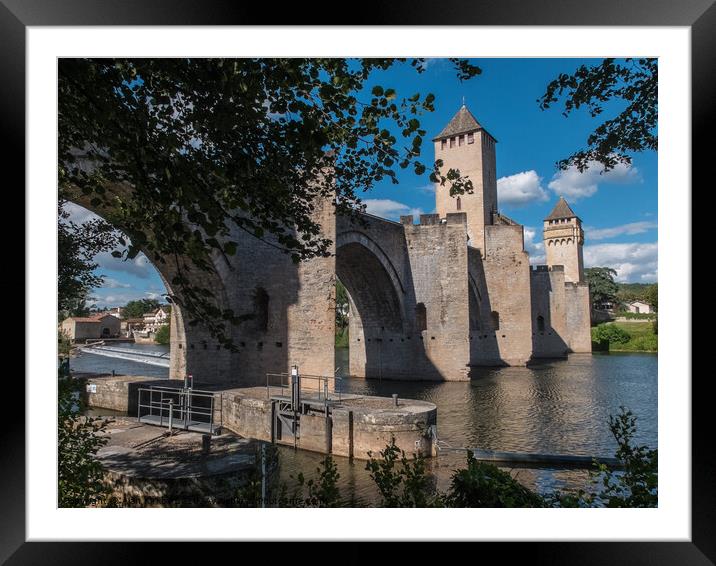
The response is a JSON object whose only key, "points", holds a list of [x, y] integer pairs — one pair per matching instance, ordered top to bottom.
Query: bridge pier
{"points": [[357, 425]]}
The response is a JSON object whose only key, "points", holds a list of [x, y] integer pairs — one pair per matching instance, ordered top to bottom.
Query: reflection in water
{"points": [[558, 407]]}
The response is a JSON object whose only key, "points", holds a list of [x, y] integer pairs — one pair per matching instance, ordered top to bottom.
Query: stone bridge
{"points": [[396, 275], [428, 300]]}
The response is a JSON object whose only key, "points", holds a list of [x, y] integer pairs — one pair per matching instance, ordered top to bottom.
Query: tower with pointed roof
{"points": [[466, 146], [563, 241]]}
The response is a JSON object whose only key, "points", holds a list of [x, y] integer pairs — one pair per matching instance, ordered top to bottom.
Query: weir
{"points": [[149, 358]]}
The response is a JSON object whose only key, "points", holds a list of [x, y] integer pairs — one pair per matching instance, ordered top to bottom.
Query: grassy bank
{"points": [[342, 337], [641, 337]]}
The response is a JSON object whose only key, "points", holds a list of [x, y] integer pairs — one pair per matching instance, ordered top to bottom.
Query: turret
{"points": [[466, 146], [563, 241]]}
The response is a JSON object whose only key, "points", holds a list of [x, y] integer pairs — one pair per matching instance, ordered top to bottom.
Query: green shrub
{"points": [[637, 315], [610, 333], [162, 335], [342, 337], [64, 343], [645, 343], [79, 473], [402, 481], [637, 484], [485, 485], [323, 490]]}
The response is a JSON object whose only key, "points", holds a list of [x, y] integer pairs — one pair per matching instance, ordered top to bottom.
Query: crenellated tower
{"points": [[466, 146], [563, 241]]}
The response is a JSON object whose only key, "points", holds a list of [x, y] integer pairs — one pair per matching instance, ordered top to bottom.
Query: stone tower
{"points": [[466, 146], [563, 241]]}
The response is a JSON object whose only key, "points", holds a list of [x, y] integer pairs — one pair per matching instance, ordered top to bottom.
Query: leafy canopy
{"points": [[634, 83], [180, 153], [77, 246], [602, 287], [137, 308], [79, 473]]}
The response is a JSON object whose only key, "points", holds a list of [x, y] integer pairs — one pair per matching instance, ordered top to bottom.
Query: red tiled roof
{"points": [[94, 318]]}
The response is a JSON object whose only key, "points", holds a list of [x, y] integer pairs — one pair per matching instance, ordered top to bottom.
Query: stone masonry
{"points": [[430, 298]]}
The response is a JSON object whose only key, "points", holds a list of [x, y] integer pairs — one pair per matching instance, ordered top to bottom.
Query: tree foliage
{"points": [[634, 83], [181, 154], [77, 246], [602, 287], [651, 296], [137, 308], [610, 333], [163, 334], [79, 473], [402, 481], [636, 484], [485, 485], [323, 489]]}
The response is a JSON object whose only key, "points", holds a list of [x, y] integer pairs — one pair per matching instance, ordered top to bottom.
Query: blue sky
{"points": [[619, 209]]}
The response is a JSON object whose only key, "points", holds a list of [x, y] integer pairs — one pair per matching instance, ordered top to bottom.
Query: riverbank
{"points": [[641, 337]]}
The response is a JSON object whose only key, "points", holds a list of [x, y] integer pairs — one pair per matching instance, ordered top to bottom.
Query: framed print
{"points": [[441, 304]]}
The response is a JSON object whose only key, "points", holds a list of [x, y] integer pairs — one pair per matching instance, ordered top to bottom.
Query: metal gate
{"points": [[179, 408]]}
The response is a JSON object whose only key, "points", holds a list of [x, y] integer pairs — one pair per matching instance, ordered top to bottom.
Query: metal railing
{"points": [[280, 384], [181, 408]]}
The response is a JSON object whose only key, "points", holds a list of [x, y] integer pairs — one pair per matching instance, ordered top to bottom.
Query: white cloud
{"points": [[572, 184], [429, 188], [521, 189], [386, 208], [79, 214], [623, 230], [534, 248], [635, 263], [140, 266], [110, 283], [121, 299]]}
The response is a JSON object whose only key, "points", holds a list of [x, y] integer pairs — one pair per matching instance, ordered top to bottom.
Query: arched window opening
{"points": [[261, 303], [421, 317], [495, 320], [540, 323]]}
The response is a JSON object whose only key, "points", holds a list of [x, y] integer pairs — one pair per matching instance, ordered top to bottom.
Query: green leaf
{"points": [[230, 248]]}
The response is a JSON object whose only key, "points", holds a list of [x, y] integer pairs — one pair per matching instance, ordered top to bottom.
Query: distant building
{"points": [[606, 306], [639, 307], [116, 311], [160, 317], [102, 325], [128, 325]]}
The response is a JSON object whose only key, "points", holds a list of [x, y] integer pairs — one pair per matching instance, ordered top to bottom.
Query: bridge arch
{"points": [[377, 321], [192, 348]]}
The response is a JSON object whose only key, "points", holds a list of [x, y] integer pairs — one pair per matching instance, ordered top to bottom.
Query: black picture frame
{"points": [[699, 15]]}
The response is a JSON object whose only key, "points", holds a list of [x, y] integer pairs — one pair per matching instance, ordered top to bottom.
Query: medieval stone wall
{"points": [[437, 252], [507, 275], [549, 312], [578, 327], [484, 350]]}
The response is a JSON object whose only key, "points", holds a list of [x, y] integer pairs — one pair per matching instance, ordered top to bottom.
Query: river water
{"points": [[93, 363], [556, 407]]}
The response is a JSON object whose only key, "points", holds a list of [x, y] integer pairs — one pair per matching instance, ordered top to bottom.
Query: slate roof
{"points": [[462, 123], [561, 210]]}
